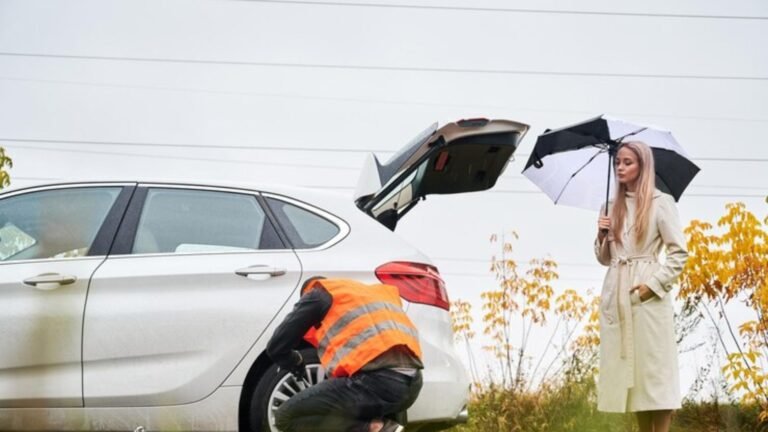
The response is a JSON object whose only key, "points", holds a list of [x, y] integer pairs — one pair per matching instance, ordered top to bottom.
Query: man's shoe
{"points": [[392, 426]]}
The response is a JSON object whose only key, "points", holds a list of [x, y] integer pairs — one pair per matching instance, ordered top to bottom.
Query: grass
{"points": [[572, 407]]}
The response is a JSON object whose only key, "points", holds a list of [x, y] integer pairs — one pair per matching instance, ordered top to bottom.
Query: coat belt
{"points": [[626, 267]]}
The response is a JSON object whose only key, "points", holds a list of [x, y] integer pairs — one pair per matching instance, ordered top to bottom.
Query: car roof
{"points": [[254, 186], [312, 195]]}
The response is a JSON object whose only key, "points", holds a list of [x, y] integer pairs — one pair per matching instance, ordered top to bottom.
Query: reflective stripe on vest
{"points": [[350, 316], [363, 322], [367, 334]]}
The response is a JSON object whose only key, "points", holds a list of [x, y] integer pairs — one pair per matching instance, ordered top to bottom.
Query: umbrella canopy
{"points": [[574, 165]]}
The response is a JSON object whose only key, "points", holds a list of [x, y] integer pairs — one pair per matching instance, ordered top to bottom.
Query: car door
{"points": [[465, 156], [52, 239], [196, 275]]}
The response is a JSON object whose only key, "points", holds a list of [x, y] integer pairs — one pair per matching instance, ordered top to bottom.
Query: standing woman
{"points": [[638, 348]]}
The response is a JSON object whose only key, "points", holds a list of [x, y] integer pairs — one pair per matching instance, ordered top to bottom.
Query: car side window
{"points": [[186, 220], [54, 223], [303, 228]]}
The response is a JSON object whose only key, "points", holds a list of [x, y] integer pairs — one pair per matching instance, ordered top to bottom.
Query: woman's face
{"points": [[627, 166]]}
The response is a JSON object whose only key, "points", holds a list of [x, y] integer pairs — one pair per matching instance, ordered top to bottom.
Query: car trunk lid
{"points": [[463, 156]]}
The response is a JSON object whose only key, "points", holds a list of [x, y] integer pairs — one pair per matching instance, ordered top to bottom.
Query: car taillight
{"points": [[418, 283]]}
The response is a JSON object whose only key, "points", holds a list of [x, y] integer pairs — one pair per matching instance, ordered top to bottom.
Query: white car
{"points": [[140, 305]]}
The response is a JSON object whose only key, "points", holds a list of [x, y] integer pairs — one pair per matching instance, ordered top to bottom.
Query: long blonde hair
{"points": [[646, 186]]}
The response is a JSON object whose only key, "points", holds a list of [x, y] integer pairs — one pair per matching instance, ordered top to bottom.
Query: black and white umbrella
{"points": [[574, 165]]}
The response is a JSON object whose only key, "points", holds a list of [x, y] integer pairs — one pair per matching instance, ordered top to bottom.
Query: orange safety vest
{"points": [[363, 322]]}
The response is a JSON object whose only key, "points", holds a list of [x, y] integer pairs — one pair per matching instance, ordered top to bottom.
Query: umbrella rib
{"points": [[630, 134], [565, 186]]}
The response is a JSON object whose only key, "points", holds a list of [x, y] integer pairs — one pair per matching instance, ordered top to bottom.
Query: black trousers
{"points": [[349, 404]]}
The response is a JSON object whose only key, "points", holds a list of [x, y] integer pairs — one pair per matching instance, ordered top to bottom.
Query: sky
{"points": [[298, 92]]}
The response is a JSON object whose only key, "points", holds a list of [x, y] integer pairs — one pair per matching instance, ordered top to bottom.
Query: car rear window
{"points": [[201, 221], [305, 229]]}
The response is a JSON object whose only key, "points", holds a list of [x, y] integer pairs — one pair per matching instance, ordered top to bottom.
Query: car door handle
{"points": [[261, 270], [49, 281]]}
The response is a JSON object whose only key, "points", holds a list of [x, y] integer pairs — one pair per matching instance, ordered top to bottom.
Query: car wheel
{"points": [[276, 387]]}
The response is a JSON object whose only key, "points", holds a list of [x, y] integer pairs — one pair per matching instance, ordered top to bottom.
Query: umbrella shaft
{"points": [[608, 181]]}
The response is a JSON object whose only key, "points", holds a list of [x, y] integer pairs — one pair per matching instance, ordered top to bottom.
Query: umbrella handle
{"points": [[608, 180], [607, 188]]}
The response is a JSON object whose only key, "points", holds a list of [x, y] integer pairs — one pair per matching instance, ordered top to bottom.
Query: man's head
{"points": [[311, 283]]}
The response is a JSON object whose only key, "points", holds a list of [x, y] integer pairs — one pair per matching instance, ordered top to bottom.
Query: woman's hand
{"points": [[603, 225], [643, 292]]}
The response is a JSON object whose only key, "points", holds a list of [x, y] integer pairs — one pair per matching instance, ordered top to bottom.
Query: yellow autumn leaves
{"points": [[5, 161], [730, 263], [525, 300]]}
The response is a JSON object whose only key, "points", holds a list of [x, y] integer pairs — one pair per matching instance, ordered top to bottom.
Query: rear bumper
{"points": [[445, 393], [440, 402], [463, 416]]}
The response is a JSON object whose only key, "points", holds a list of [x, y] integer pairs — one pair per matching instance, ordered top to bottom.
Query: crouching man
{"points": [[369, 349]]}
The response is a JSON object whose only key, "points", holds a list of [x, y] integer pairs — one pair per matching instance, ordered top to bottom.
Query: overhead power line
{"points": [[508, 10], [331, 66], [266, 95], [363, 100], [191, 146], [517, 156], [188, 158], [722, 159], [36, 178], [760, 188], [540, 193], [685, 195], [520, 260], [477, 274]]}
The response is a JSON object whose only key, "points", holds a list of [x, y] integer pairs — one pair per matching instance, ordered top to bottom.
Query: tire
{"points": [[275, 387]]}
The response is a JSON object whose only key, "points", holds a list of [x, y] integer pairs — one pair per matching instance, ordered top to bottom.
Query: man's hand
{"points": [[643, 292], [299, 368], [299, 372]]}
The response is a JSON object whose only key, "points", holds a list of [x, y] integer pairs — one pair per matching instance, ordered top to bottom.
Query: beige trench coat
{"points": [[638, 349]]}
